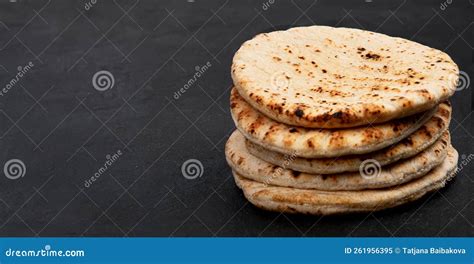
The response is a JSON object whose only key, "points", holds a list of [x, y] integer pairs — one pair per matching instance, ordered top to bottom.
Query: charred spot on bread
{"points": [[299, 113]]}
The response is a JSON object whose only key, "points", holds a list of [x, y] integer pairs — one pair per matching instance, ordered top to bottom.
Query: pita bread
{"points": [[325, 77], [421, 139], [318, 143], [371, 176], [291, 200]]}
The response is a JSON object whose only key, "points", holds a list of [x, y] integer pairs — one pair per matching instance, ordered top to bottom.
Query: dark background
{"points": [[62, 128]]}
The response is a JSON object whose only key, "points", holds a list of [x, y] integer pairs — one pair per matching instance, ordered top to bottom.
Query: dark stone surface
{"points": [[62, 128]]}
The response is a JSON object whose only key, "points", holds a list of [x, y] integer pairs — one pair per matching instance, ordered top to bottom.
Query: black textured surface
{"points": [[62, 128]]}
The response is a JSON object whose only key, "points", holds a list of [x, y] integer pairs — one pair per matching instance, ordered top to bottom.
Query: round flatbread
{"points": [[329, 77], [421, 139], [319, 143], [369, 176], [291, 200]]}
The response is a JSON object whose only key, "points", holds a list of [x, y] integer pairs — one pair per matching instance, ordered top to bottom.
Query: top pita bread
{"points": [[329, 77]]}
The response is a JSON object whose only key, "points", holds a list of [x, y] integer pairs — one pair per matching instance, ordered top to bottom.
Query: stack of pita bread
{"points": [[336, 120]]}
